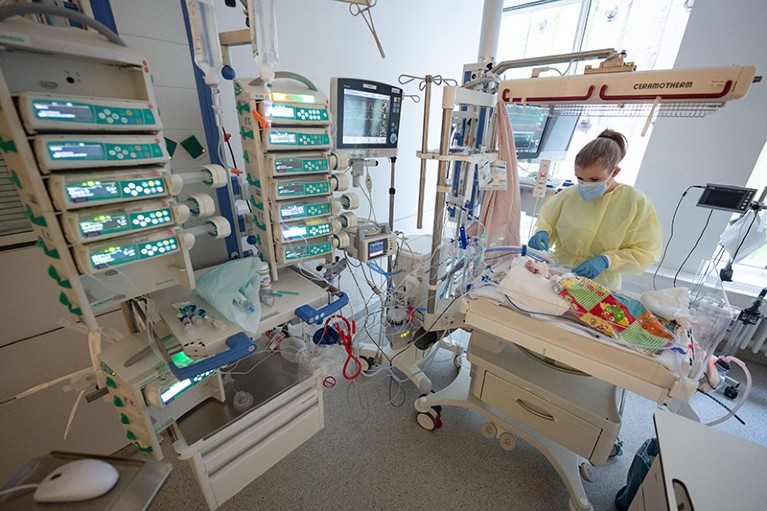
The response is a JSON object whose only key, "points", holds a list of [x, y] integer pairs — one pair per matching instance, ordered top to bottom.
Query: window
{"points": [[650, 32], [753, 269]]}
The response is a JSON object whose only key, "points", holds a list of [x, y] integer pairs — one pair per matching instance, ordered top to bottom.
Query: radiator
{"points": [[746, 337]]}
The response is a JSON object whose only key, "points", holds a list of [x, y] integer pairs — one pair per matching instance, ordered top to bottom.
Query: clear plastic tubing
{"points": [[743, 396]]}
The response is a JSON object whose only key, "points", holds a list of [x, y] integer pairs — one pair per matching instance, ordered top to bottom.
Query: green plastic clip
{"points": [[14, 178], [37, 220], [52, 253], [52, 273]]}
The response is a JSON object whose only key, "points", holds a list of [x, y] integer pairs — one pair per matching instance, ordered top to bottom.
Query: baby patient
{"points": [[532, 287]]}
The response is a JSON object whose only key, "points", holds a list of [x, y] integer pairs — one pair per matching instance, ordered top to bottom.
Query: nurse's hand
{"points": [[539, 241], [591, 268]]}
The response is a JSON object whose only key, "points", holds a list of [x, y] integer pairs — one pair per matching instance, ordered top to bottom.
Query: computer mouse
{"points": [[78, 480]]}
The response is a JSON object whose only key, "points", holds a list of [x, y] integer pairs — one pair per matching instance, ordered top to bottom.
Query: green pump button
{"points": [[111, 383], [118, 402], [124, 419], [131, 435]]}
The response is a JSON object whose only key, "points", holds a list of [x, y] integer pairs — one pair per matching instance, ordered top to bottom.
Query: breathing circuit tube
{"points": [[743, 397]]}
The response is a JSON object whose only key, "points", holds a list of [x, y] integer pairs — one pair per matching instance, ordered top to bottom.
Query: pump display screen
{"points": [[63, 110], [281, 111], [367, 114], [529, 124], [282, 137], [76, 151], [287, 165], [290, 189], [93, 191], [291, 211], [103, 224], [296, 231], [376, 249], [114, 255], [174, 390]]}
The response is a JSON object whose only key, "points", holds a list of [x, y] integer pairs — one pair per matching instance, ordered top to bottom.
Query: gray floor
{"points": [[373, 455]]}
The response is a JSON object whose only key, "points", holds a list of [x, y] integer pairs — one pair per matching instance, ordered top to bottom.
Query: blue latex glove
{"points": [[539, 241], [591, 268]]}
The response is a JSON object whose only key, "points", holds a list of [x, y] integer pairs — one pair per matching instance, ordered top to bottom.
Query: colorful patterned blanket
{"points": [[616, 315]]}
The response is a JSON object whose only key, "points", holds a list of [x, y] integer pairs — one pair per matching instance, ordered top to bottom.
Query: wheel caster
{"points": [[367, 363], [731, 392], [438, 408], [429, 420], [489, 430], [507, 441], [617, 449], [586, 472]]}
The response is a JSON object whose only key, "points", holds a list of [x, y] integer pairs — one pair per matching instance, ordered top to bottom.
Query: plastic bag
{"points": [[744, 236], [233, 290]]}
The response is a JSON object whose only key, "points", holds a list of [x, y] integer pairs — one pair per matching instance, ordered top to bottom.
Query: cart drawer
{"points": [[559, 425], [230, 459]]}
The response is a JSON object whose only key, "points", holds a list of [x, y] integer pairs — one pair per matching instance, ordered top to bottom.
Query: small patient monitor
{"points": [[727, 198]]}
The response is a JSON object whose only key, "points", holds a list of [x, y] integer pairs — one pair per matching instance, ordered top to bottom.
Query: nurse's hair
{"points": [[608, 149]]}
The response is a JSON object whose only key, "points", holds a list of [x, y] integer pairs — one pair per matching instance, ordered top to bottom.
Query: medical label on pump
{"points": [[493, 175], [541, 179]]}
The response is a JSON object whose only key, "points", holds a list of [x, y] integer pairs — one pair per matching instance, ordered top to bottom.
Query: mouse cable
{"points": [[673, 218], [18, 488]]}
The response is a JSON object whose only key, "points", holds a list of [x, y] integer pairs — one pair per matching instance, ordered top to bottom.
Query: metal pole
{"points": [[491, 29], [424, 148], [392, 191], [439, 207]]}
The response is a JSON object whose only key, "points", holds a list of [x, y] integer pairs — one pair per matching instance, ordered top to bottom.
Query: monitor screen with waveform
{"points": [[367, 117]]}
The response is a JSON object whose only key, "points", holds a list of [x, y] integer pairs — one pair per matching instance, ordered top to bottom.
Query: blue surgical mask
{"points": [[590, 191]]}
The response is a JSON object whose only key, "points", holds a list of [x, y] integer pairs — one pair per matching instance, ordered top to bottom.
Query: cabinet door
{"points": [[33, 426]]}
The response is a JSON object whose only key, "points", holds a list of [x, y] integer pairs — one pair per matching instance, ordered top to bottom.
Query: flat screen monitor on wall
{"points": [[367, 116]]}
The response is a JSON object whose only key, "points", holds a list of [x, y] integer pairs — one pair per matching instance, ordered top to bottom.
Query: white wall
{"points": [[720, 148]]}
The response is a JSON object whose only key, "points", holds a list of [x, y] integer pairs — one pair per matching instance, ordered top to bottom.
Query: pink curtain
{"points": [[500, 211]]}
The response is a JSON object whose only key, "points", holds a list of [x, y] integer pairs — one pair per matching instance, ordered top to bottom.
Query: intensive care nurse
{"points": [[600, 228]]}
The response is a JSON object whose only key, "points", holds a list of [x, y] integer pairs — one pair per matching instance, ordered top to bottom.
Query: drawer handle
{"points": [[535, 412]]}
